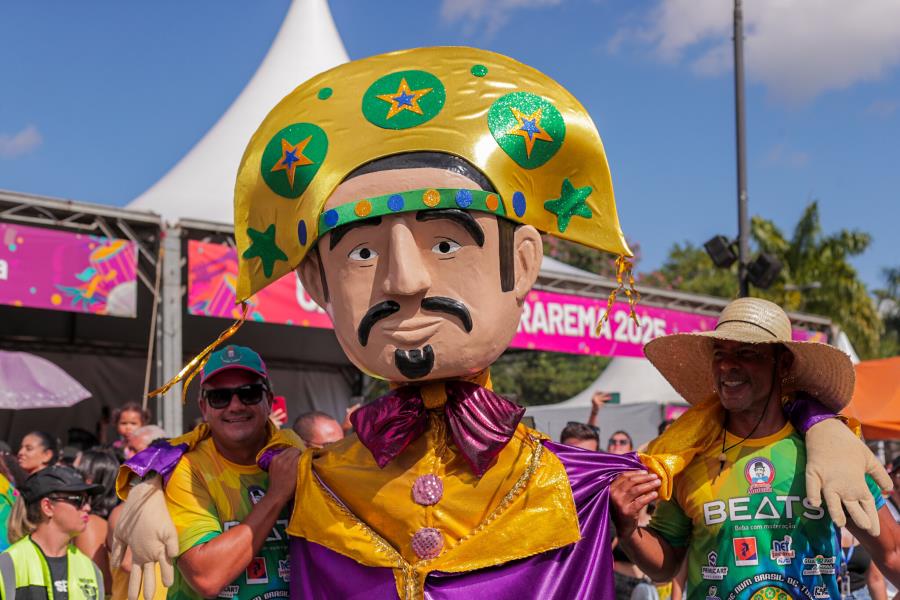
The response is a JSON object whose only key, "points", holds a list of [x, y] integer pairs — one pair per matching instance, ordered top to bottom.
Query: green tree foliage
{"points": [[587, 259], [816, 278], [889, 307], [532, 378]]}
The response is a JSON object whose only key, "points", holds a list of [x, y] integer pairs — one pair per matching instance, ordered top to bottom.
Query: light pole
{"points": [[743, 218]]}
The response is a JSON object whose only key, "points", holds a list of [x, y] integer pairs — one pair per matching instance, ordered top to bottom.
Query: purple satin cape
{"points": [[576, 572]]}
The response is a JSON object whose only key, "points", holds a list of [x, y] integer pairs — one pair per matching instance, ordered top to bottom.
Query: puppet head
{"points": [[410, 189]]}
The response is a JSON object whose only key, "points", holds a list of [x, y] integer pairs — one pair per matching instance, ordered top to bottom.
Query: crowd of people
{"points": [[58, 503], [61, 514]]}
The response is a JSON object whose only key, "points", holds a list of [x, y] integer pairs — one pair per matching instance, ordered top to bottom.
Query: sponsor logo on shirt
{"points": [[760, 473], [255, 493], [738, 509], [781, 552], [745, 554], [819, 565], [284, 570], [711, 570], [256, 571], [88, 588], [230, 591], [821, 591], [712, 593]]}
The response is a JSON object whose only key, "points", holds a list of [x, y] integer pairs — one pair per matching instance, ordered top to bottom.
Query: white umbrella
{"points": [[29, 381]]}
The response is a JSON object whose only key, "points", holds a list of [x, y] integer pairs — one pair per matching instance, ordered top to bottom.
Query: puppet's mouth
{"points": [[413, 332], [416, 363]]}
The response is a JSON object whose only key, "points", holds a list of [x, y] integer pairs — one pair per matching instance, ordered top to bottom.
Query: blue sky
{"points": [[98, 100]]}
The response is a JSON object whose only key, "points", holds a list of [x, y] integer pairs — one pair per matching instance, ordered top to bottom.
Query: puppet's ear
{"points": [[529, 251], [312, 276]]}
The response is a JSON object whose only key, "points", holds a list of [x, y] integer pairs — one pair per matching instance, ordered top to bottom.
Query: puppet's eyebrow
{"points": [[456, 215], [339, 232]]}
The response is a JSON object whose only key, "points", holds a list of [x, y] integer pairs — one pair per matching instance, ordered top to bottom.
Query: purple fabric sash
{"points": [[804, 411], [481, 422], [160, 457], [580, 571]]}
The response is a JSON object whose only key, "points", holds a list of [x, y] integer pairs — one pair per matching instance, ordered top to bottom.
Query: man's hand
{"points": [[598, 400], [278, 417], [347, 425], [836, 465], [283, 475], [628, 495], [146, 527]]}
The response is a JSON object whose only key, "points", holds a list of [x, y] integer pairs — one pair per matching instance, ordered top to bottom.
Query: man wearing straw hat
{"points": [[750, 525]]}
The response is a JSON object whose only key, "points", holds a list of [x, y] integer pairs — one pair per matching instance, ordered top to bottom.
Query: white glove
{"points": [[836, 465], [146, 527]]}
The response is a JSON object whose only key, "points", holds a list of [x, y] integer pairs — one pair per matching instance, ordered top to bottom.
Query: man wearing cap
{"points": [[408, 191], [741, 511], [229, 514], [43, 562]]}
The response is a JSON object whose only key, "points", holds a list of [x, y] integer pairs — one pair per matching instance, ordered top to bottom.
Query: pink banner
{"points": [[58, 270], [212, 275], [550, 322], [565, 323]]}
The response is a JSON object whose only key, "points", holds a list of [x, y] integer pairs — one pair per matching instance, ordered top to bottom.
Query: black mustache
{"points": [[451, 306], [372, 316], [416, 363]]}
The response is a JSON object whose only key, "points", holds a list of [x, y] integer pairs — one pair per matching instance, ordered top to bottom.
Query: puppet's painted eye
{"points": [[444, 247], [362, 253]]}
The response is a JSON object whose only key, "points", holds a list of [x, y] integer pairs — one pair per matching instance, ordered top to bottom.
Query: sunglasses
{"points": [[249, 395], [77, 500]]}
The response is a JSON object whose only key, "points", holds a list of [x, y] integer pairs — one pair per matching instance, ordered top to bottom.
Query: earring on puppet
{"points": [[624, 270]]}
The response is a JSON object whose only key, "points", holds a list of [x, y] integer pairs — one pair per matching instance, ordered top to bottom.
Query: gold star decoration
{"points": [[404, 99], [529, 128], [291, 158]]}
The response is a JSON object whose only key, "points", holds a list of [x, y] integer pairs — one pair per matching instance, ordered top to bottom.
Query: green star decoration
{"points": [[571, 202], [263, 246]]}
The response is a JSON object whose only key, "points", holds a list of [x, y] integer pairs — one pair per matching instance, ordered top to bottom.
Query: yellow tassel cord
{"points": [[624, 270], [190, 370]]}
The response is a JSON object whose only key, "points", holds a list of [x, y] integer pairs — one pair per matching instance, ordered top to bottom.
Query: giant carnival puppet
{"points": [[410, 191]]}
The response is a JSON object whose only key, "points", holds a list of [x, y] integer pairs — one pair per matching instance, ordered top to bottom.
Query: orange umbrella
{"points": [[876, 398]]}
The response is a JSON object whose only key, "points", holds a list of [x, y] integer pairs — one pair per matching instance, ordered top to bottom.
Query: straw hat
{"points": [[685, 359]]}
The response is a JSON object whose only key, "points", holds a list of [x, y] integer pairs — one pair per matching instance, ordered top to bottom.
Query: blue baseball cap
{"points": [[234, 357]]}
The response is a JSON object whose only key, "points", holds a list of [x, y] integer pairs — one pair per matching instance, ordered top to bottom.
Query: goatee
{"points": [[416, 363]]}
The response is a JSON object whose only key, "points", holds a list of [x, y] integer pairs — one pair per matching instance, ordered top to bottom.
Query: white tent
{"points": [[181, 193], [635, 379]]}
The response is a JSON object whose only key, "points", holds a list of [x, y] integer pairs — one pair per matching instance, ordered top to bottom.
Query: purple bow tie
{"points": [[481, 422]]}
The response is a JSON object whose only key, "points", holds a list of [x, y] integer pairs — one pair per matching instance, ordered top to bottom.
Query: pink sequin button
{"points": [[427, 490], [427, 543]]}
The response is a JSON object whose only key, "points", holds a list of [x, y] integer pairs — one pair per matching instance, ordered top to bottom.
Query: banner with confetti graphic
{"points": [[58, 270], [212, 277], [550, 322]]}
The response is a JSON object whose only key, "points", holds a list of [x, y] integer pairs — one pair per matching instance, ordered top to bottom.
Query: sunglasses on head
{"points": [[249, 395], [76, 500]]}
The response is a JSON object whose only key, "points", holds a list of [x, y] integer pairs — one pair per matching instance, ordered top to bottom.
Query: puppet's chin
{"points": [[416, 363]]}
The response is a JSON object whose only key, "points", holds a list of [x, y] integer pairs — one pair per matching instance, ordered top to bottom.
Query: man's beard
{"points": [[416, 363]]}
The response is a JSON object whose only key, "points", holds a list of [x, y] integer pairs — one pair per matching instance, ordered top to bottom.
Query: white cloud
{"points": [[492, 13], [797, 48], [12, 146], [780, 155]]}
